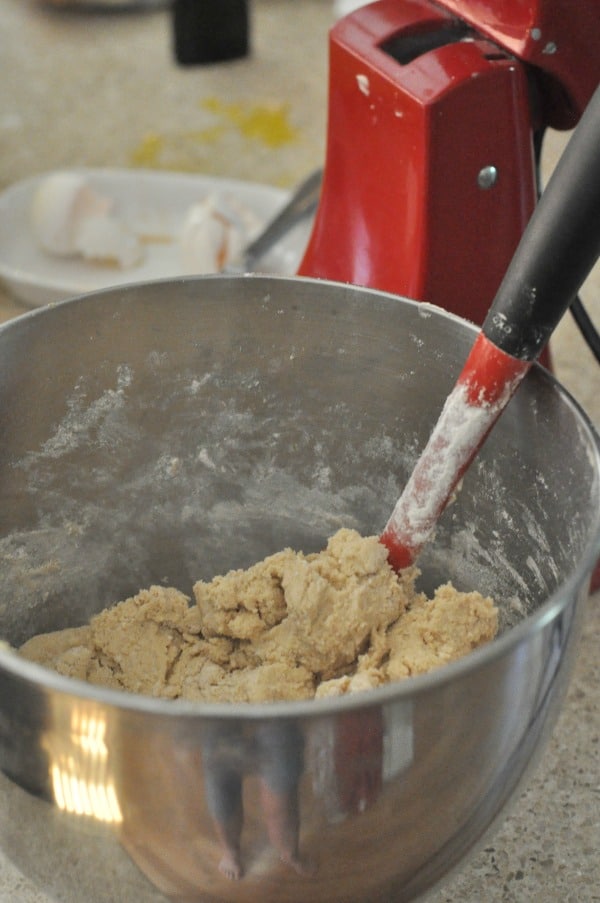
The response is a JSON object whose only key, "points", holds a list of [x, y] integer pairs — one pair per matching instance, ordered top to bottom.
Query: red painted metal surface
{"points": [[557, 39], [401, 208]]}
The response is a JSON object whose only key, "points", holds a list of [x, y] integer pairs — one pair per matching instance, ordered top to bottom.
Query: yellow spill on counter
{"points": [[267, 123], [264, 124], [149, 150]]}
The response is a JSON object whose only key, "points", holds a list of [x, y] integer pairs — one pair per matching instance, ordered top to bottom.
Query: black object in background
{"points": [[209, 31]]}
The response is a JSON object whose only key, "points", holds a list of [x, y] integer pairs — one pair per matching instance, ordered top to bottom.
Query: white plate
{"points": [[154, 204]]}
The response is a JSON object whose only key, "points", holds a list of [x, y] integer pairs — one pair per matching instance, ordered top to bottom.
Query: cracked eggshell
{"points": [[58, 207], [208, 237], [105, 239]]}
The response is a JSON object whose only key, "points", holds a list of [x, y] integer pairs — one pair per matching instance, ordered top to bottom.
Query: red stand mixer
{"points": [[436, 112]]}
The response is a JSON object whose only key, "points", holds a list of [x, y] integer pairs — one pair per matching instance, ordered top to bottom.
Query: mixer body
{"points": [[430, 173]]}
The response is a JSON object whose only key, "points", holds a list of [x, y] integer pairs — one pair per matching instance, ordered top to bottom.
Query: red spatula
{"points": [[555, 255]]}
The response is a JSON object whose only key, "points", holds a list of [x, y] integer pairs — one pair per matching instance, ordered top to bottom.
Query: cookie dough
{"points": [[293, 626]]}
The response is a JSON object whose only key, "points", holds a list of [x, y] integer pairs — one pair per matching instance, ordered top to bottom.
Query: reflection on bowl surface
{"points": [[176, 430]]}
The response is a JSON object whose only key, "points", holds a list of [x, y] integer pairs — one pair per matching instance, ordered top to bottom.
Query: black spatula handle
{"points": [[557, 250]]}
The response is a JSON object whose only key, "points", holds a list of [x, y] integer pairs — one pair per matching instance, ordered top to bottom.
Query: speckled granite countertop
{"points": [[101, 89]]}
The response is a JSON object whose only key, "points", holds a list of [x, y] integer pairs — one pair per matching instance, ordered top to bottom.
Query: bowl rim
{"points": [[401, 691]]}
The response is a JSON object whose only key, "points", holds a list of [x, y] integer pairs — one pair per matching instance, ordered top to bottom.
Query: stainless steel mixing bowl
{"points": [[166, 432]]}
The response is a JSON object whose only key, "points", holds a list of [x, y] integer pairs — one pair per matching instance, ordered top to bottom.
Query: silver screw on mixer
{"points": [[487, 177]]}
